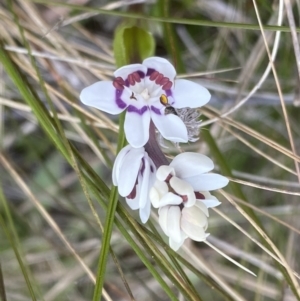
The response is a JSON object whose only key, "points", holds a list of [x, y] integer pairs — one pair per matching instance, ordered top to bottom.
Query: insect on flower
{"points": [[169, 109]]}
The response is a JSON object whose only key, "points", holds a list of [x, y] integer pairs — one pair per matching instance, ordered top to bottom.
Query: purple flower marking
{"points": [[149, 71], [141, 74], [169, 92], [120, 103], [134, 109], [155, 110], [142, 167]]}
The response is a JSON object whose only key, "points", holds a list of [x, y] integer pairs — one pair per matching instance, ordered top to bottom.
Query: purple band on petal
{"points": [[150, 71], [141, 74], [169, 92], [120, 103], [134, 109], [155, 110], [143, 167]]}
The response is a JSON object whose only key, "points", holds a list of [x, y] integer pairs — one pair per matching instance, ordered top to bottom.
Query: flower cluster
{"points": [[155, 100]]}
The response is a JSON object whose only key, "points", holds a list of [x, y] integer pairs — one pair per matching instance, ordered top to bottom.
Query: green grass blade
{"points": [[204, 23], [109, 222], [7, 225], [2, 287]]}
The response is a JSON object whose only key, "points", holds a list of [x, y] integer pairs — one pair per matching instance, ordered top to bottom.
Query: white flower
{"points": [[146, 90], [134, 174], [181, 192], [179, 223]]}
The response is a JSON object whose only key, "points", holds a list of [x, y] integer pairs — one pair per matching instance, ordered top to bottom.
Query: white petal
{"points": [[161, 65], [129, 69], [189, 94], [102, 96], [171, 127], [136, 128], [118, 163], [190, 164], [129, 171], [164, 171], [208, 181], [161, 187], [183, 188], [157, 192], [207, 195], [144, 196], [168, 199], [210, 200], [133, 203], [210, 203], [202, 207], [145, 212], [195, 216], [163, 218], [173, 223], [193, 229], [174, 245]]}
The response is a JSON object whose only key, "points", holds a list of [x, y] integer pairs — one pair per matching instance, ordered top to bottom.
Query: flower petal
{"points": [[161, 65], [129, 69], [189, 94], [102, 96], [171, 127], [136, 128], [118, 163], [190, 164], [129, 171], [164, 171], [209, 181], [144, 182], [158, 190], [185, 190], [168, 199], [210, 201], [133, 203], [200, 205], [145, 212], [195, 216], [163, 218], [173, 223], [193, 230], [174, 245]]}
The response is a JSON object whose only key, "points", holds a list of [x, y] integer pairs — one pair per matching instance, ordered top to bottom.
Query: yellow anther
{"points": [[163, 99]]}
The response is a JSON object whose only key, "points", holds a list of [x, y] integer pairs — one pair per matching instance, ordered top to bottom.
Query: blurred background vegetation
{"points": [[56, 155]]}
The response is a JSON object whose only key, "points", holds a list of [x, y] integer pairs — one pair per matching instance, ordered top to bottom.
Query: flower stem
{"points": [[153, 149]]}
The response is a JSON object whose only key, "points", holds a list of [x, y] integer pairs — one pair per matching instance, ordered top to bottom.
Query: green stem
{"points": [[109, 222]]}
